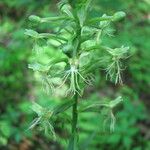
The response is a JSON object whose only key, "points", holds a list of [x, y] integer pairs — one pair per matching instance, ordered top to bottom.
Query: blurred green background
{"points": [[18, 87]]}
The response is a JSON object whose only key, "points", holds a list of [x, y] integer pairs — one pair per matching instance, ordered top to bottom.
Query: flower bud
{"points": [[118, 16], [35, 19]]}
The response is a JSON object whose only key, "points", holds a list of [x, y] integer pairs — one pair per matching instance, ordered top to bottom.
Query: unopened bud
{"points": [[118, 16], [34, 18]]}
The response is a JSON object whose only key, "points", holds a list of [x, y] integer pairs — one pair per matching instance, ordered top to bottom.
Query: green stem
{"points": [[50, 19], [98, 19], [53, 36], [76, 96], [75, 115], [73, 142]]}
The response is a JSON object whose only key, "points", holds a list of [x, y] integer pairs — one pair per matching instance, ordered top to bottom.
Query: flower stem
{"points": [[75, 105], [75, 115], [73, 142]]}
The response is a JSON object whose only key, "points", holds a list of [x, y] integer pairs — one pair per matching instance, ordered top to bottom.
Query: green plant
{"points": [[78, 37]]}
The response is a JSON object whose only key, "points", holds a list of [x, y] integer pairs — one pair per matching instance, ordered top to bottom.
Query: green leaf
{"points": [[5, 128], [3, 141]]}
